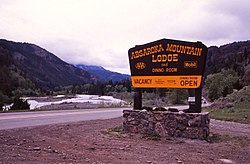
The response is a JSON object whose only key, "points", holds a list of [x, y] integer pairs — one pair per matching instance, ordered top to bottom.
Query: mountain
{"points": [[235, 56], [44, 68], [102, 73]]}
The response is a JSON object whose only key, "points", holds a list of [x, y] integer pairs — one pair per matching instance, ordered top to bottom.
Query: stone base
{"points": [[167, 124]]}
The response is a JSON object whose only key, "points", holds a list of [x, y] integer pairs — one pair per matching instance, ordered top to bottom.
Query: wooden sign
{"points": [[167, 64]]}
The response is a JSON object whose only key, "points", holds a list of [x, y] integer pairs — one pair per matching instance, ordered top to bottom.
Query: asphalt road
{"points": [[26, 119]]}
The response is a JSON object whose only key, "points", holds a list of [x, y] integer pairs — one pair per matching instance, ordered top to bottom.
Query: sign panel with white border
{"points": [[167, 63]]}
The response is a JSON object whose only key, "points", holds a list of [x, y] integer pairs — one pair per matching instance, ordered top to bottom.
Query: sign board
{"points": [[167, 64], [191, 99]]}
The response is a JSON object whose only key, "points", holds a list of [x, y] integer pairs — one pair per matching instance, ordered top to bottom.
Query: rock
{"points": [[229, 105], [147, 108], [160, 109], [173, 110], [126, 113], [158, 116], [245, 117], [130, 119], [135, 122], [195, 122], [133, 129], [159, 129], [128, 146], [37, 148], [92, 148], [55, 151], [226, 160]]}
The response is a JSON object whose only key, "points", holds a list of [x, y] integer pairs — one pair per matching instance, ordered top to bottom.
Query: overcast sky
{"points": [[100, 32]]}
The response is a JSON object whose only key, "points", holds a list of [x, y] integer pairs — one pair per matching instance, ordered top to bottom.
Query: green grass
{"points": [[12, 111], [239, 113], [118, 128], [116, 131], [154, 137]]}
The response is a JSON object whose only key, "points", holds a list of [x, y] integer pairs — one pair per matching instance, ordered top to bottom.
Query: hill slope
{"points": [[234, 56], [43, 67], [102, 73]]}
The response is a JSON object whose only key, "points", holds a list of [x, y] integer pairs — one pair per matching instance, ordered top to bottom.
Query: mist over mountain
{"points": [[102, 73]]}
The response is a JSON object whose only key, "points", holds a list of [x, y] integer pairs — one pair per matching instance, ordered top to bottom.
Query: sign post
{"points": [[168, 63], [138, 99], [197, 108]]}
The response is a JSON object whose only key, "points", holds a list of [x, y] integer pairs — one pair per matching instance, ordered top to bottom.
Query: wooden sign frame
{"points": [[167, 63]]}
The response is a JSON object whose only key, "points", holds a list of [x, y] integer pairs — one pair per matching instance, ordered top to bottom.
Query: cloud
{"points": [[101, 32]]}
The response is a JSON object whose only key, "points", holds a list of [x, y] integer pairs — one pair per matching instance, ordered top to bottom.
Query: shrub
{"points": [[221, 84], [20, 104]]}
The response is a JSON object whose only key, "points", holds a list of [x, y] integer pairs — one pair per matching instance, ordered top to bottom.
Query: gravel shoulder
{"points": [[230, 128], [91, 142]]}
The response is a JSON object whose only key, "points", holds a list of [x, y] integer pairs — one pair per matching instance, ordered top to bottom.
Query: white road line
{"points": [[55, 114]]}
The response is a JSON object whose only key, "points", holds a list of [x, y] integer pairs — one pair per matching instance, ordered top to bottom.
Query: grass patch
{"points": [[13, 111], [239, 113], [118, 128], [116, 131], [154, 137], [242, 141]]}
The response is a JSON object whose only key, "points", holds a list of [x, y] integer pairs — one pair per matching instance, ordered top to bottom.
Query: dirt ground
{"points": [[91, 142]]}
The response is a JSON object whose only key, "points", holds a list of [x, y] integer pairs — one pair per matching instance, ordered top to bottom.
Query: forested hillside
{"points": [[235, 56], [43, 67], [227, 68], [28, 70], [13, 81]]}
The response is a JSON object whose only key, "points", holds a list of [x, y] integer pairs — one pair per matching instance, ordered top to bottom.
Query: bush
{"points": [[221, 84], [4, 98], [20, 104]]}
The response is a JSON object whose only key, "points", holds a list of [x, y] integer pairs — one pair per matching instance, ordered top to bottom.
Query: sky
{"points": [[100, 32]]}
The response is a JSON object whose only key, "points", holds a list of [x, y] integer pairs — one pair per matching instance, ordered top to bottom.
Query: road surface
{"points": [[26, 119]]}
